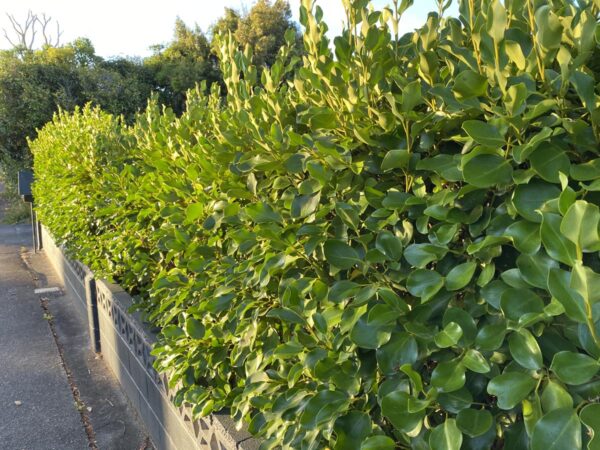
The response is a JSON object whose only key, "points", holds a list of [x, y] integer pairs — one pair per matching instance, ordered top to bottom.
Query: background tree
{"points": [[228, 23], [263, 29], [177, 67], [38, 76], [36, 83], [30, 92]]}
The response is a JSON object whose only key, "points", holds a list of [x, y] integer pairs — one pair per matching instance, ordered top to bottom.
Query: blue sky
{"points": [[129, 27]]}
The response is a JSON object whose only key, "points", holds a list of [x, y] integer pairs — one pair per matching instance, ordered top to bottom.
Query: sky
{"points": [[130, 27]]}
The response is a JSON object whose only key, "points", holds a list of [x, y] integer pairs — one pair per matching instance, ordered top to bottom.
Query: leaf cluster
{"points": [[390, 243]]}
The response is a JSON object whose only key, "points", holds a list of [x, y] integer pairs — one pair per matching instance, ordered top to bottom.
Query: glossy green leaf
{"points": [[496, 21], [549, 29], [515, 53], [469, 84], [584, 85], [516, 95], [411, 96], [321, 118], [483, 133], [522, 152], [395, 159], [548, 161], [444, 165], [487, 170], [587, 171], [527, 198], [304, 205], [194, 211], [262, 213], [348, 214], [580, 226], [525, 236], [486, 243], [347, 244], [556, 244], [390, 245], [340, 255], [419, 255], [535, 268], [460, 276], [424, 283], [586, 283], [342, 290], [493, 291], [516, 303], [573, 303], [286, 315], [465, 320], [194, 328], [173, 332], [370, 335], [449, 335], [490, 337], [525, 349], [399, 350], [475, 361], [574, 368], [448, 376], [511, 388], [555, 396], [394, 407], [323, 408], [532, 412], [474, 422], [351, 428], [557, 430], [446, 436], [377, 443]]}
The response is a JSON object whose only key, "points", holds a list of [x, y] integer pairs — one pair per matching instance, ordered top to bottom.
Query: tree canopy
{"points": [[38, 77]]}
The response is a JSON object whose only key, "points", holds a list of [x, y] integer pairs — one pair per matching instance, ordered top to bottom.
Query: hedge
{"points": [[391, 242]]}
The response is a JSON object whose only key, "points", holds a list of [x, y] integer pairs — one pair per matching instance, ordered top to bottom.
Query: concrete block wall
{"points": [[79, 280], [125, 342]]}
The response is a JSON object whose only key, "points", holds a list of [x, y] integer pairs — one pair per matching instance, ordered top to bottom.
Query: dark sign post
{"points": [[25, 181]]}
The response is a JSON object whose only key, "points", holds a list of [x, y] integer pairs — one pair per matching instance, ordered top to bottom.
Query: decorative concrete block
{"points": [[125, 342]]}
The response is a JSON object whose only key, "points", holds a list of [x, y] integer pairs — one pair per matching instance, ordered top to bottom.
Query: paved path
{"points": [[37, 406], [37, 411]]}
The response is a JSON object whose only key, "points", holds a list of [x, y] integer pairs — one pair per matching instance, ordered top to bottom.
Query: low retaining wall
{"points": [[79, 280], [125, 342]]}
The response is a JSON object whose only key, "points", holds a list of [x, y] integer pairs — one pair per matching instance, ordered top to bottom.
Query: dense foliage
{"points": [[263, 28], [192, 55], [178, 67], [35, 83], [392, 243]]}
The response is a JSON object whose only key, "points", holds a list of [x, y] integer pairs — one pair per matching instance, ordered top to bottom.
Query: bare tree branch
{"points": [[31, 19], [25, 33], [58, 34], [9, 39], [48, 40]]}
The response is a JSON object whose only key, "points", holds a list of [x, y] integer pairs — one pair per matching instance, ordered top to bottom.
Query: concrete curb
{"points": [[125, 342]]}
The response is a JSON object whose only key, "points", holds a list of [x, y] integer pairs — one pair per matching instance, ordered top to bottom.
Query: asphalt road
{"points": [[37, 406], [37, 411]]}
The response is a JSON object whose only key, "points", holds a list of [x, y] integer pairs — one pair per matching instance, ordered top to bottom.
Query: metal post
{"points": [[33, 229], [40, 242]]}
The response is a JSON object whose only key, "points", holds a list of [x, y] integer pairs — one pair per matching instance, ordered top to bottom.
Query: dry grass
{"points": [[12, 209]]}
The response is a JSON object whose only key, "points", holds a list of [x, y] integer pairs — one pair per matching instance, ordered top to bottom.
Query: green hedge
{"points": [[391, 243]]}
